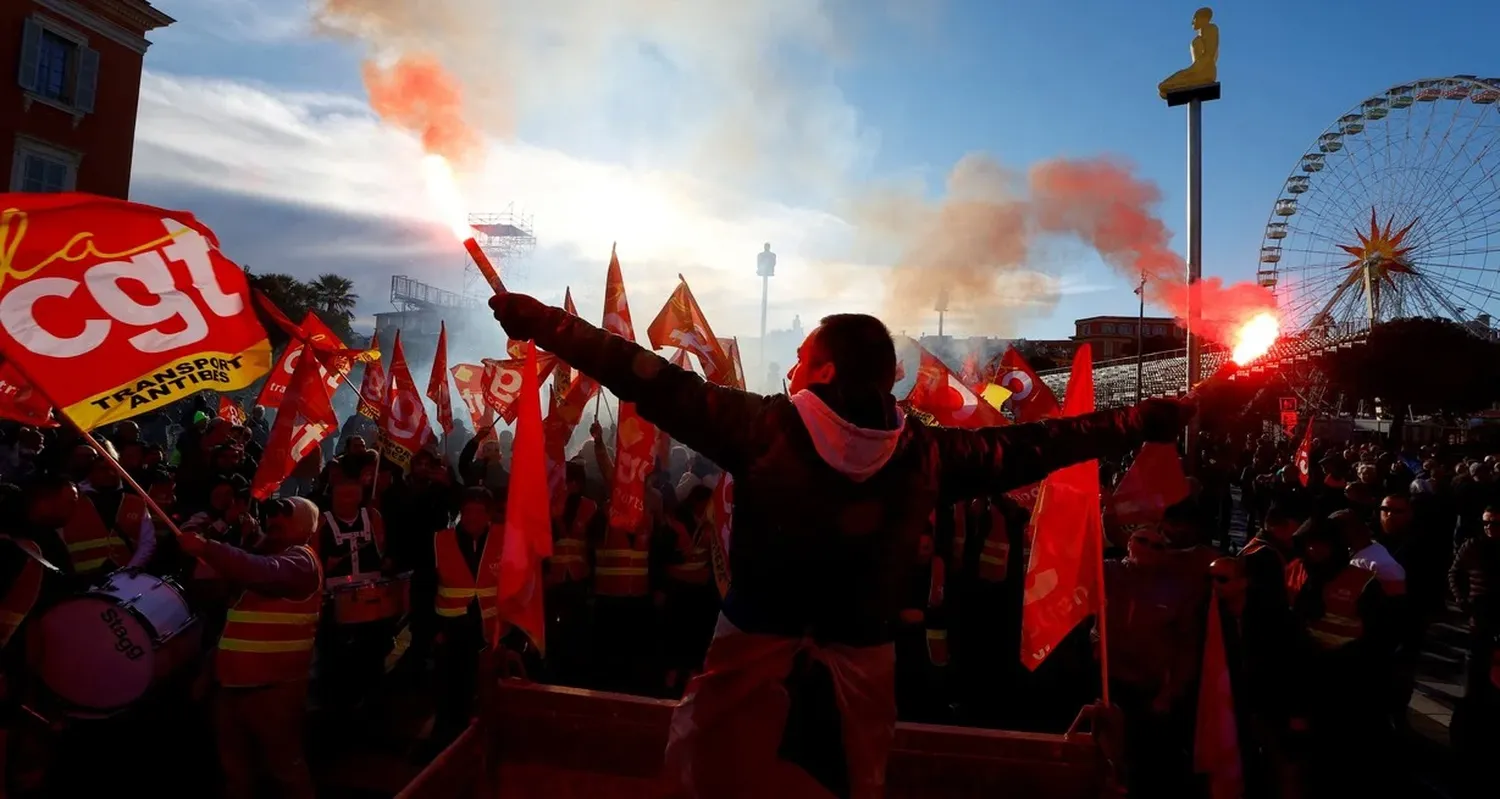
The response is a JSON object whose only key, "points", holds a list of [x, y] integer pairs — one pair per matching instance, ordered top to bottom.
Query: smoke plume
{"points": [[706, 85], [415, 93], [986, 244]]}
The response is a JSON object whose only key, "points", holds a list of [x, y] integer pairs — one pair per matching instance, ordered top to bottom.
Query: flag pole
{"points": [[598, 400], [99, 448], [1100, 620]]}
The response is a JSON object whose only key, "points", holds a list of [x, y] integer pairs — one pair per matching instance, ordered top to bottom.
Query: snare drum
{"points": [[374, 600], [100, 652]]}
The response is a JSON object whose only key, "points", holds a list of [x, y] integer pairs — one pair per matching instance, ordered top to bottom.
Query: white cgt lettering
{"points": [[174, 320], [401, 423]]}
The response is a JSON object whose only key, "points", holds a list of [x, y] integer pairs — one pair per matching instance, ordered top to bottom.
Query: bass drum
{"points": [[101, 652]]}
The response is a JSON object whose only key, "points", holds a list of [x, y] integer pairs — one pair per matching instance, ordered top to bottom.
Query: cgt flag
{"points": [[114, 309]]}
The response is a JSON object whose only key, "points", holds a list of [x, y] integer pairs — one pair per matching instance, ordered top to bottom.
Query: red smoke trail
{"points": [[417, 94], [1103, 203]]}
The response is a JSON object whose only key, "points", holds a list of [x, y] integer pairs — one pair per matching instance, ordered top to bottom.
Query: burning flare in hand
{"points": [[443, 187], [1254, 338]]}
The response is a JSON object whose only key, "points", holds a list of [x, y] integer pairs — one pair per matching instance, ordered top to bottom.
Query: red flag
{"points": [[114, 309], [681, 323], [680, 360], [562, 375], [281, 376], [503, 380], [470, 381], [437, 382], [372, 391], [938, 391], [1030, 399], [19, 402], [230, 411], [562, 418], [302, 424], [403, 426], [635, 438], [1304, 454], [1153, 483], [528, 516], [1067, 532], [1216, 737]]}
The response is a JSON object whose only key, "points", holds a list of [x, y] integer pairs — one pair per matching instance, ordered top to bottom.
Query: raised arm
{"points": [[714, 420], [978, 462], [289, 575]]}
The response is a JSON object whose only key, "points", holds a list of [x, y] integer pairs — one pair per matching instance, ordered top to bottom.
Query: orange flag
{"points": [[681, 323], [731, 347], [281, 375], [437, 382], [372, 391], [940, 392], [1030, 399], [635, 438], [528, 517], [1067, 539], [1216, 737]]}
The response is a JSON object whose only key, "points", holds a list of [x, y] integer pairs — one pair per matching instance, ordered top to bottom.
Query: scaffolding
{"points": [[507, 238]]}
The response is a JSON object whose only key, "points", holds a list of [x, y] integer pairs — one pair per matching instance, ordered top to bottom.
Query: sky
{"points": [[690, 133]]}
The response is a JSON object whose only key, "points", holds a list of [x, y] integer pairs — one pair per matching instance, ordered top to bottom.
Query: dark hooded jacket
{"points": [[827, 516]]}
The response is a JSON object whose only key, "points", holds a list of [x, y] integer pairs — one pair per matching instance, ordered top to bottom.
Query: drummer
{"points": [[351, 543]]}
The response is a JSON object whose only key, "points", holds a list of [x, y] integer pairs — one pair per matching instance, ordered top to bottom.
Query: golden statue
{"points": [[1205, 68]]}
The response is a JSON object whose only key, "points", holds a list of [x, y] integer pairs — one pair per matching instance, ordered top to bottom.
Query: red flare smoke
{"points": [[417, 94], [1107, 206]]}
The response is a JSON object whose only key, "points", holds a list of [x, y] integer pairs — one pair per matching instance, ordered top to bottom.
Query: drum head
{"points": [[92, 653]]}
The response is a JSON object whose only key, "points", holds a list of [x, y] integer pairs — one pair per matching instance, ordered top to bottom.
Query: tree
{"points": [[333, 295], [296, 298]]}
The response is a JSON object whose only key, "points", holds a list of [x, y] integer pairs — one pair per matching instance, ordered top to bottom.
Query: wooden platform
{"points": [[563, 743]]}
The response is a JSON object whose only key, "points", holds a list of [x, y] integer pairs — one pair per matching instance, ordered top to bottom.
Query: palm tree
{"points": [[333, 295]]}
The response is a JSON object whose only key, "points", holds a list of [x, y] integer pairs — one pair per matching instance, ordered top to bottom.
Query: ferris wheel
{"points": [[1394, 212]]}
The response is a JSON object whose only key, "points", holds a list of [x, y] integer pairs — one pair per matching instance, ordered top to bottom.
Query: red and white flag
{"points": [[113, 309], [681, 324], [281, 376], [503, 380], [437, 382], [372, 391], [940, 392], [1030, 399], [19, 402], [230, 411], [305, 419], [403, 425], [1304, 454], [1153, 483], [528, 517], [1067, 539]]}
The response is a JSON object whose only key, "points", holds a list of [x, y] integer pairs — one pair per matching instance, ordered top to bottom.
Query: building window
{"points": [[57, 66], [40, 168], [1107, 329], [1085, 330], [1127, 330]]}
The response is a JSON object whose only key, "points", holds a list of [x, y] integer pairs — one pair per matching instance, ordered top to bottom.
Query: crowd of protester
{"points": [[1325, 607]]}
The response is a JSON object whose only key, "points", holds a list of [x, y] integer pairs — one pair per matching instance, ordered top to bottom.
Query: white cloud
{"points": [[198, 138]]}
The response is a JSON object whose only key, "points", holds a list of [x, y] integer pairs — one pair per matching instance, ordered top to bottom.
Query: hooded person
{"points": [[833, 489], [263, 658]]}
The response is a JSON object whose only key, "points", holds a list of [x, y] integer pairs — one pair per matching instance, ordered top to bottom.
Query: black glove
{"points": [[519, 314], [1162, 420]]}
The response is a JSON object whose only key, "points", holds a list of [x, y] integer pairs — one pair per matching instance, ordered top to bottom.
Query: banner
{"points": [[117, 309], [281, 376]]}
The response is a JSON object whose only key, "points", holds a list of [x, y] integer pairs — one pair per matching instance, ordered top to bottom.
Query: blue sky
{"points": [[255, 122]]}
